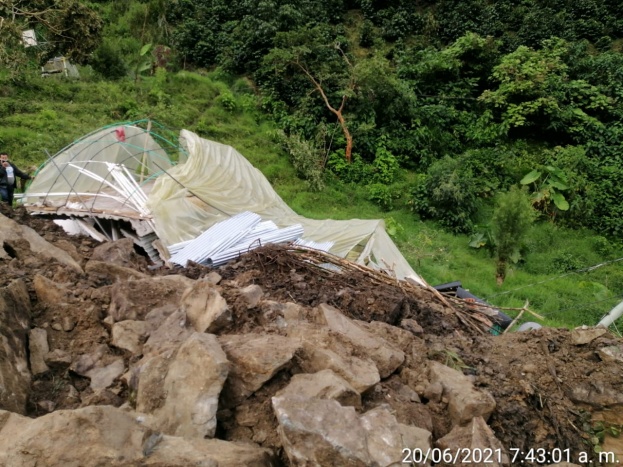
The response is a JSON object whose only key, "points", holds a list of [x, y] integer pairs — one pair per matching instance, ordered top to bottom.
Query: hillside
{"points": [[441, 123]]}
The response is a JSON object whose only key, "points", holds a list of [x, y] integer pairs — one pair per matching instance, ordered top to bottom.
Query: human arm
{"points": [[20, 174]]}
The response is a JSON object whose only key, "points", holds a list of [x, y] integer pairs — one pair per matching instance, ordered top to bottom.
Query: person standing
{"points": [[8, 178]]}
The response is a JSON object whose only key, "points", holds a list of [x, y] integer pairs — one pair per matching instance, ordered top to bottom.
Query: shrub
{"points": [[107, 62], [306, 159], [447, 193], [511, 221]]}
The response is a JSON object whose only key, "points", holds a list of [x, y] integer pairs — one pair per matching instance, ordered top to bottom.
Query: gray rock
{"points": [[12, 231], [119, 252], [114, 271], [213, 278], [49, 292], [251, 295], [133, 299], [205, 309], [157, 316], [68, 323], [412, 326], [170, 334], [130, 335], [584, 335], [396, 336], [38, 346], [322, 350], [612, 353], [386, 357], [58, 359], [255, 359], [85, 362], [15, 376], [103, 377], [324, 384], [181, 389], [433, 392], [464, 401], [46, 406], [320, 432], [105, 435], [476, 436], [386, 437]]}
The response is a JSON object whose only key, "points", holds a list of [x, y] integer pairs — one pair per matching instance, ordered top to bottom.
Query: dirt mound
{"points": [[547, 384]]}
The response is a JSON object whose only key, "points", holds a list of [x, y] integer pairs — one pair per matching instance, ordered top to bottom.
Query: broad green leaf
{"points": [[145, 49], [531, 177], [558, 184], [560, 201], [477, 240]]}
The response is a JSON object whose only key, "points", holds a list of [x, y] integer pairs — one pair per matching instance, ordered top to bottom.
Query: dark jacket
{"points": [[4, 180]]}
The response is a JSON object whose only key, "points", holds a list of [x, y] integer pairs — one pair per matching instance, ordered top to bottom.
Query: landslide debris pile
{"points": [[275, 359]]}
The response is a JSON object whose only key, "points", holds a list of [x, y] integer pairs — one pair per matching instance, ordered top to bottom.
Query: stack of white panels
{"points": [[217, 238], [255, 240], [323, 246]]}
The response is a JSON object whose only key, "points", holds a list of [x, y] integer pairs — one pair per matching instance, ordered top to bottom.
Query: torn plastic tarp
{"points": [[217, 182]]}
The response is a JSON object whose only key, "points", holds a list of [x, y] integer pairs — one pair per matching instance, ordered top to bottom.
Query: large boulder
{"points": [[11, 231], [119, 252], [112, 271], [133, 299], [205, 309], [14, 325], [130, 335], [168, 335], [324, 350], [386, 357], [255, 360], [100, 366], [324, 384], [181, 390], [464, 401], [320, 432], [105, 435], [386, 438], [474, 439], [182, 452]]}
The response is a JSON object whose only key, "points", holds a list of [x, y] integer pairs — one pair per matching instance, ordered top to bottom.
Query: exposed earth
{"points": [[284, 358]]}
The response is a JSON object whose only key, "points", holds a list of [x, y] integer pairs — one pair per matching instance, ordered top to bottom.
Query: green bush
{"points": [[107, 61], [306, 159], [448, 193], [382, 195], [511, 221]]}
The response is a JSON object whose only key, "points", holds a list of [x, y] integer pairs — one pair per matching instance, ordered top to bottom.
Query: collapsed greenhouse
{"points": [[134, 180]]}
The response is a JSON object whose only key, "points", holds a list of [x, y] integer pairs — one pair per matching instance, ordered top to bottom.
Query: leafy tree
{"points": [[66, 27], [325, 65], [534, 90], [448, 194], [511, 220]]}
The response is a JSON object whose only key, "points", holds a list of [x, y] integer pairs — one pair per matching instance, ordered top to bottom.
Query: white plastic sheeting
{"points": [[64, 177], [217, 182]]}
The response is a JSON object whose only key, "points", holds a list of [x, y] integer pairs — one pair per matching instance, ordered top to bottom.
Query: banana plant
{"points": [[143, 62], [547, 186]]}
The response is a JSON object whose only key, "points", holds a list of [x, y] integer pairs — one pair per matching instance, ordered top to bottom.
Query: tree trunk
{"points": [[337, 112], [347, 135], [500, 271]]}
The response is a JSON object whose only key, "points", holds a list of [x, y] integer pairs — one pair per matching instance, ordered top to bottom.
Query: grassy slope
{"points": [[50, 113]]}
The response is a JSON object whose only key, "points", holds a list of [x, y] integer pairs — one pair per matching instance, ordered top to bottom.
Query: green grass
{"points": [[51, 113]]}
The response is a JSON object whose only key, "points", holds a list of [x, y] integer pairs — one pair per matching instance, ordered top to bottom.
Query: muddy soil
{"points": [[545, 386]]}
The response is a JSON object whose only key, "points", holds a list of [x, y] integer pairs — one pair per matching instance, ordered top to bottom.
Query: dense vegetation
{"points": [[453, 111]]}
